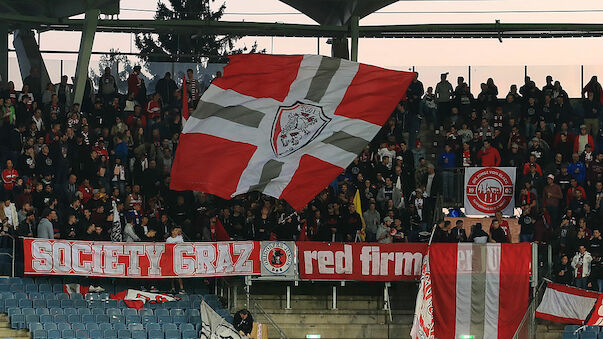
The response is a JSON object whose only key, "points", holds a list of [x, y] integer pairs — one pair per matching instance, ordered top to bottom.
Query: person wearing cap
{"points": [[582, 139], [551, 198], [384, 234]]}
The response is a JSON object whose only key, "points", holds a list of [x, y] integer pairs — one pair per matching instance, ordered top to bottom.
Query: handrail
{"points": [[12, 255], [257, 307]]}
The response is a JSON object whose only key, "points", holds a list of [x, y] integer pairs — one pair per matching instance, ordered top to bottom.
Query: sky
{"points": [[504, 61]]}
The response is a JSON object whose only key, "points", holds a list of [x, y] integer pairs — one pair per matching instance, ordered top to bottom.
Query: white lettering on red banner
{"points": [[141, 260], [360, 261]]}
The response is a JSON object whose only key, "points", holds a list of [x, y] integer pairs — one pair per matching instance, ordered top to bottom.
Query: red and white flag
{"points": [[283, 125], [75, 288], [479, 290], [136, 299], [566, 304], [422, 326]]}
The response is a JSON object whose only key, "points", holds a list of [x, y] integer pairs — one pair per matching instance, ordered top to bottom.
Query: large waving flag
{"points": [[283, 125], [479, 290]]}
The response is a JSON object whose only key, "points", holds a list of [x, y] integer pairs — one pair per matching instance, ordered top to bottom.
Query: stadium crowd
{"points": [[100, 169]]}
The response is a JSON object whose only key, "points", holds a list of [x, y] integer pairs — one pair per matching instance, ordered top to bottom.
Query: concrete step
{"points": [[286, 317], [351, 331], [7, 332]]}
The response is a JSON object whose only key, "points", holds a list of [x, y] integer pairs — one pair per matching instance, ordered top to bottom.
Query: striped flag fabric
{"points": [[283, 125], [358, 205], [479, 290], [566, 304]]}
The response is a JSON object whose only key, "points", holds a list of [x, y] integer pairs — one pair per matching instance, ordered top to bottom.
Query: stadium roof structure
{"points": [[336, 19]]}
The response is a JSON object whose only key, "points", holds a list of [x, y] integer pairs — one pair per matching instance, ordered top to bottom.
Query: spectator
{"points": [[107, 86], [443, 92], [488, 156], [552, 196], [372, 219], [45, 227], [384, 231], [478, 235], [497, 235], [176, 237], [581, 265], [564, 272], [243, 322]]}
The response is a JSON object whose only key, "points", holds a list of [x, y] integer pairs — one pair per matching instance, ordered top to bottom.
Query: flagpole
{"points": [[432, 233]]}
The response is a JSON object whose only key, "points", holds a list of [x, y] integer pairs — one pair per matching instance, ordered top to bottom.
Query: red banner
{"points": [[141, 260], [360, 261]]}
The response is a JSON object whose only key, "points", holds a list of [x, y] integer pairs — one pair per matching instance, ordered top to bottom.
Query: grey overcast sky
{"points": [[489, 58]]}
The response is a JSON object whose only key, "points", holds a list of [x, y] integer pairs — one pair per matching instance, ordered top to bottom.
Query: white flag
{"points": [[422, 326], [216, 327]]}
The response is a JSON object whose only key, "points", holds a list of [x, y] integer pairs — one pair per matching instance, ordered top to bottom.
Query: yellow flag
{"points": [[358, 206]]}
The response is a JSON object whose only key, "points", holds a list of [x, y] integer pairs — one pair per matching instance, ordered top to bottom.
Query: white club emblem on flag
{"points": [[283, 125], [295, 126]]}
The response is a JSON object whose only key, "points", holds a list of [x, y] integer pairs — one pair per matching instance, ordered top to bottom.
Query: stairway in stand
{"points": [[7, 332]]}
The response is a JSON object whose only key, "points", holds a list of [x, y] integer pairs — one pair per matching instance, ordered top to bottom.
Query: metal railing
{"points": [[11, 255], [255, 307], [527, 327]]}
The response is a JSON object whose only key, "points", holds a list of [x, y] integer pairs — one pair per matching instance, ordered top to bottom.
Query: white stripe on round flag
{"points": [[493, 252], [464, 269]]}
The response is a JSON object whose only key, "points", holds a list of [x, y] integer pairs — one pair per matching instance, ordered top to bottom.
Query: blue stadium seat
{"points": [[14, 280], [27, 280], [31, 288], [44, 288], [57, 288], [7, 295], [36, 295], [48, 296], [62, 296], [76, 296], [92, 296], [104, 296], [184, 297], [8, 303], [38, 303], [50, 303], [66, 303], [80, 303], [112, 303], [1, 305], [56, 310], [83, 310], [98, 310], [13, 311], [28, 311], [42, 311], [69, 311], [113, 311], [129, 311], [145, 311], [176, 311], [162, 312], [192, 312], [32, 318], [46, 318], [60, 318], [74, 318], [88, 318], [102, 318], [117, 319], [133, 319], [149, 319], [165, 319], [179, 319], [17, 321], [34, 326], [49, 326], [63, 326], [78, 326], [91, 326], [105, 326], [119, 326], [169, 326], [135, 327], [153, 327], [187, 327], [592, 329], [39, 334], [54, 334], [67, 334], [83, 334], [96, 334], [110, 334], [124, 334], [139, 334], [155, 334], [172, 334], [189, 334], [569, 335], [588, 335]]}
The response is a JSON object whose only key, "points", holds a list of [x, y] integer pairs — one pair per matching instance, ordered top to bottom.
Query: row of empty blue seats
{"points": [[6, 304], [107, 311], [19, 321], [109, 326], [582, 332], [113, 334]]}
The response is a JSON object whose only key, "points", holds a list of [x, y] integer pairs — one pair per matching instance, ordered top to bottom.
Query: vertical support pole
{"points": [[354, 33], [317, 45], [4, 51], [83, 58], [61, 68], [525, 71], [469, 77], [581, 78], [549, 260], [534, 267], [247, 289], [235, 296], [228, 297], [385, 297], [334, 305], [288, 306]]}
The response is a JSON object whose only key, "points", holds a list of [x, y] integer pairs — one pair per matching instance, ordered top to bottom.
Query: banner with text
{"points": [[489, 190], [141, 260], [360, 261]]}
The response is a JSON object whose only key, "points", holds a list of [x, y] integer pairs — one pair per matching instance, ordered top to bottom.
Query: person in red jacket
{"points": [[134, 82], [154, 107], [582, 139], [488, 156], [9, 176]]}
